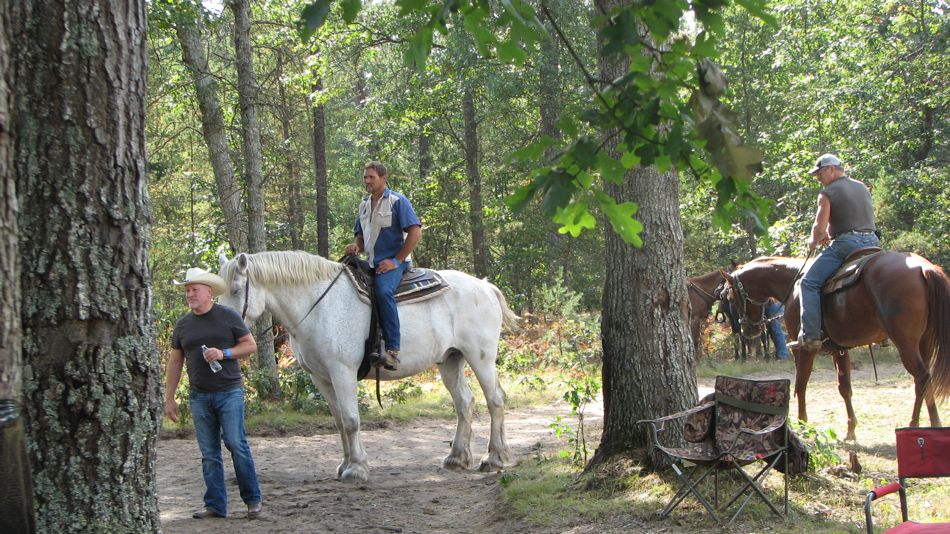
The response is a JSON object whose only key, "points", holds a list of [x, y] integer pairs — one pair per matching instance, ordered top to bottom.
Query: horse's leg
{"points": [[922, 349], [910, 356], [804, 362], [483, 364], [843, 366], [454, 379], [344, 387], [326, 389]]}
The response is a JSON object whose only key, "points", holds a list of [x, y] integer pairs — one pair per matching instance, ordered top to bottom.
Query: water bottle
{"points": [[215, 365]]}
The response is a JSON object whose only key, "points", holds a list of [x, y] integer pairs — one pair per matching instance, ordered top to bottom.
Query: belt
{"points": [[856, 232]]}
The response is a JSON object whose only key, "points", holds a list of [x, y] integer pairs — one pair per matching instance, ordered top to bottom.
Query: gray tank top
{"points": [[851, 207]]}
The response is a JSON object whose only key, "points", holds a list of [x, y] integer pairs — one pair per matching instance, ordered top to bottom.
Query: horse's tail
{"points": [[508, 318], [936, 340]]}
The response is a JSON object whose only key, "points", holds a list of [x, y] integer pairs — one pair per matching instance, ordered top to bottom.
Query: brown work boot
{"points": [[810, 345], [388, 360], [207, 513]]}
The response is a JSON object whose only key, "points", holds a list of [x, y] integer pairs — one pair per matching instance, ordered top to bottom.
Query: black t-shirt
{"points": [[220, 328]]}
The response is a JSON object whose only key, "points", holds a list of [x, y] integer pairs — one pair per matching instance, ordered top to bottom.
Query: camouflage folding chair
{"points": [[744, 422], [921, 453]]}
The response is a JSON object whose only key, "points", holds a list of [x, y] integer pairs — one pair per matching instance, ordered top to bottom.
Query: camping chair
{"points": [[745, 422], [921, 453]]}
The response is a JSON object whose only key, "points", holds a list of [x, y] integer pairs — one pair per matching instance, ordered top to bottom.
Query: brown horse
{"points": [[701, 290], [900, 296]]}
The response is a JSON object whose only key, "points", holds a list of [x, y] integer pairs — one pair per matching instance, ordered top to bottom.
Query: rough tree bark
{"points": [[549, 109], [215, 136], [320, 172], [295, 215], [476, 221], [647, 354], [91, 378], [267, 384], [16, 491]]}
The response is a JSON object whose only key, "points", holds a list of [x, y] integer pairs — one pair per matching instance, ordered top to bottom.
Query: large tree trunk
{"points": [[549, 109], [212, 127], [320, 173], [295, 218], [476, 220], [647, 354], [91, 379], [267, 384], [16, 491]]}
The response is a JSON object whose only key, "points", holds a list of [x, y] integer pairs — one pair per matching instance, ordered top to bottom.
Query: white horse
{"points": [[462, 325]]}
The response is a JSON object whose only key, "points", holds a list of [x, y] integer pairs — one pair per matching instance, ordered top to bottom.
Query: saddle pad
{"points": [[849, 273], [416, 285], [923, 452]]}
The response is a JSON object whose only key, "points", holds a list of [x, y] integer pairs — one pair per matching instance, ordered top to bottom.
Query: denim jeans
{"points": [[824, 266], [385, 288], [774, 309], [221, 415]]}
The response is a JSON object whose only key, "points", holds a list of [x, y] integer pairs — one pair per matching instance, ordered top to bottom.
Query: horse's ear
{"points": [[222, 259], [242, 263], [726, 276]]}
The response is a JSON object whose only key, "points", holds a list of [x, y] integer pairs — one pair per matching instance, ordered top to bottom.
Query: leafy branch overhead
{"points": [[664, 111]]}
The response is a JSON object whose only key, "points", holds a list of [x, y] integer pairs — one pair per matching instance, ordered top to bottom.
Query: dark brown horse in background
{"points": [[703, 291], [900, 296]]}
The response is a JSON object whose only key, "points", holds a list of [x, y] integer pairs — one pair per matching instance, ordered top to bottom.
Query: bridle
{"points": [[705, 295], [247, 299], [744, 320]]}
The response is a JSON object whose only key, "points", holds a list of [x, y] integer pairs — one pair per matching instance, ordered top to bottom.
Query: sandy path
{"points": [[408, 491]]}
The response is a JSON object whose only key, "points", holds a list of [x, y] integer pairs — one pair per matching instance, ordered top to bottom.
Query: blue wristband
{"points": [[395, 262], [227, 354]]}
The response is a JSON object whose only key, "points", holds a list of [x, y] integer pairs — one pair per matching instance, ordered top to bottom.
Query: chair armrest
{"points": [[679, 415], [777, 424], [875, 494]]}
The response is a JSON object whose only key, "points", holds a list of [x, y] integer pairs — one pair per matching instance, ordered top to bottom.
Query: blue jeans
{"points": [[824, 266], [385, 288], [774, 309], [221, 415]]}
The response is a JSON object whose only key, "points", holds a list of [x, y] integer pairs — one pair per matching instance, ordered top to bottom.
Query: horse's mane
{"points": [[777, 261], [290, 267]]}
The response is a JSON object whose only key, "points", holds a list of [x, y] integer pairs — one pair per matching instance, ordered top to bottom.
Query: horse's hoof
{"points": [[491, 462], [457, 463], [340, 469], [356, 474]]}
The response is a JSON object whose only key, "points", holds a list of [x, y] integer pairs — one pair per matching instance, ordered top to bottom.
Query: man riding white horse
{"points": [[387, 229]]}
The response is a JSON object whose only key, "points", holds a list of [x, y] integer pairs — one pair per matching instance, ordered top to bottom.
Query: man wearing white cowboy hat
{"points": [[845, 222], [211, 338]]}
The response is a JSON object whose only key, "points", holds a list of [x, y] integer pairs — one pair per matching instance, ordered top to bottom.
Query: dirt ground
{"points": [[408, 491]]}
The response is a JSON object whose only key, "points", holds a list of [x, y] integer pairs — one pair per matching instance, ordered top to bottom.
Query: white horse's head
{"points": [[252, 278], [242, 295]]}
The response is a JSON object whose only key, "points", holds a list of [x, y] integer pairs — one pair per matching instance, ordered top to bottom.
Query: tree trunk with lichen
{"points": [[647, 353], [91, 378], [266, 381], [16, 491]]}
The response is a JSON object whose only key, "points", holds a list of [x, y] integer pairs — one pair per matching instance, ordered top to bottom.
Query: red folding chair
{"points": [[921, 453]]}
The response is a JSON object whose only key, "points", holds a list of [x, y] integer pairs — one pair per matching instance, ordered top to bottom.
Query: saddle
{"points": [[850, 272], [417, 284]]}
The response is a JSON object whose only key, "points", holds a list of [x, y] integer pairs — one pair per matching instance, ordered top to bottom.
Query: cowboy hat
{"points": [[201, 276]]}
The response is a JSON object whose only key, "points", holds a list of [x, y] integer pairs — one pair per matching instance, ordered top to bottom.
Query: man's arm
{"points": [[819, 230], [413, 235], [355, 247], [244, 347], [176, 361]]}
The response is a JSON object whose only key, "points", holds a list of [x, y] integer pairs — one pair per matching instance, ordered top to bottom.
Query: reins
{"points": [[247, 299]]}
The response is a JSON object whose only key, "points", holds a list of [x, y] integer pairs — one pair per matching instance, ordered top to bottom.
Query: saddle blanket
{"points": [[849, 273], [417, 285]]}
